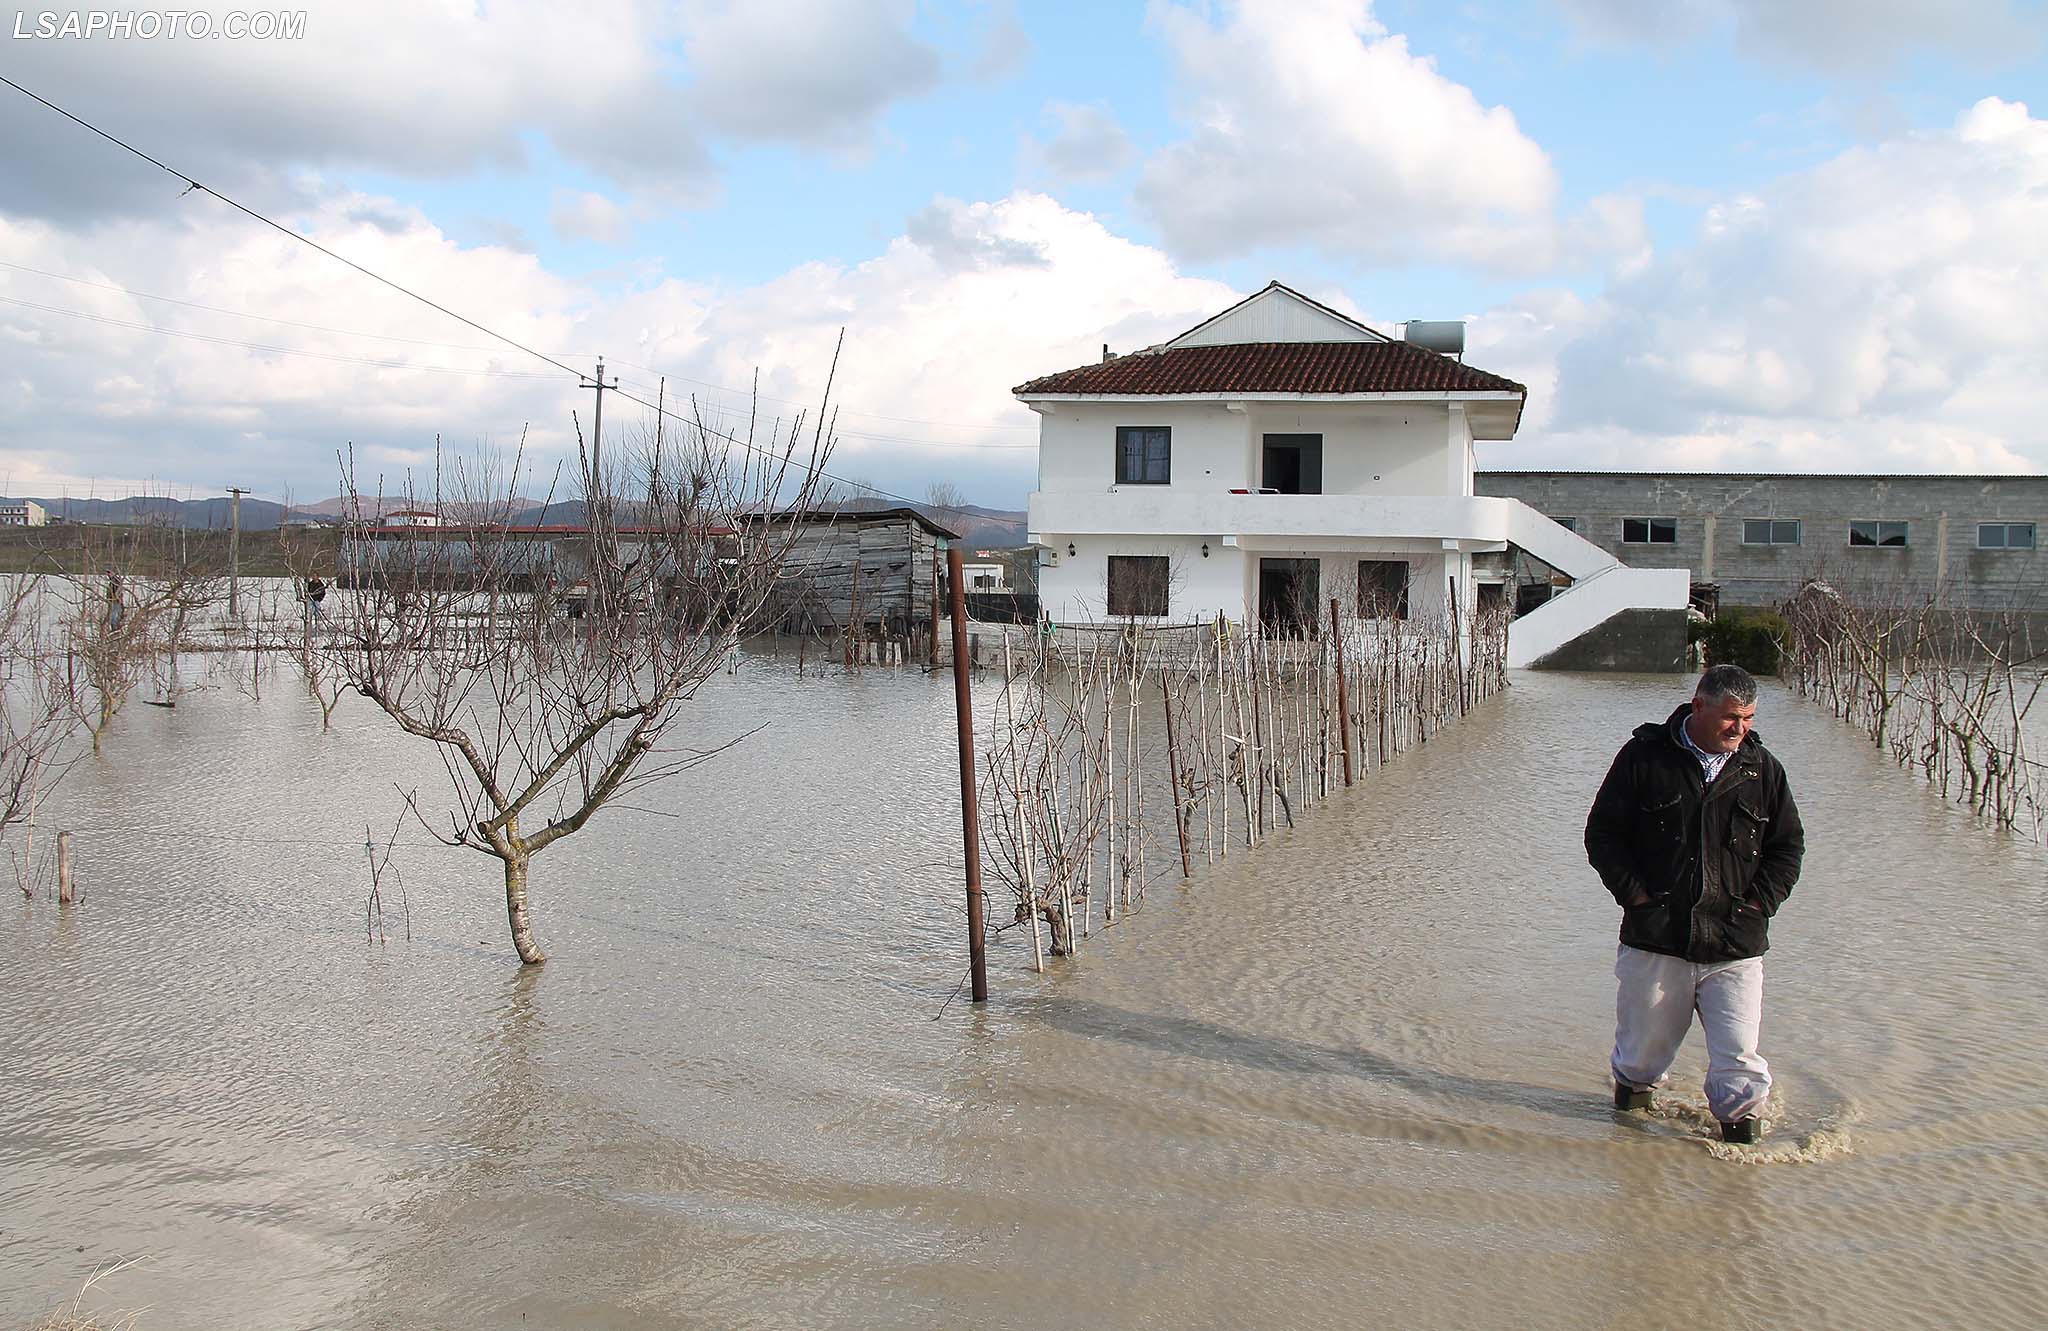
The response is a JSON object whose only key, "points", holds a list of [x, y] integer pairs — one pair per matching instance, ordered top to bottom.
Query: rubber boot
{"points": [[1742, 1132]]}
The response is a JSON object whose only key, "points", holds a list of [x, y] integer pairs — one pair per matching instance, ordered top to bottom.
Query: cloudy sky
{"points": [[1708, 234]]}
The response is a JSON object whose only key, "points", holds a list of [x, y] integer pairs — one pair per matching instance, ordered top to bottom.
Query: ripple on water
{"points": [[1357, 1075]]}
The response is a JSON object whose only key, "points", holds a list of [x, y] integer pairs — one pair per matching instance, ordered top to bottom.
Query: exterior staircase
{"points": [[1611, 617]]}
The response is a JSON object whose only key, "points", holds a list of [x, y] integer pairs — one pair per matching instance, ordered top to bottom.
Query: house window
{"points": [[1144, 454], [1569, 524], [1649, 531], [1770, 531], [1873, 532], [2005, 536], [1137, 585], [1383, 589]]}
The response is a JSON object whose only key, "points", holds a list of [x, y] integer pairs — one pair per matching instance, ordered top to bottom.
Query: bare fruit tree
{"points": [[549, 669]]}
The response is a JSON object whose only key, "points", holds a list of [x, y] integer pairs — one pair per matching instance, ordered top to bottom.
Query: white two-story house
{"points": [[1281, 454]]}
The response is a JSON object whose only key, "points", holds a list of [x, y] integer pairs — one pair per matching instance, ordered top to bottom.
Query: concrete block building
{"points": [[1972, 540]]}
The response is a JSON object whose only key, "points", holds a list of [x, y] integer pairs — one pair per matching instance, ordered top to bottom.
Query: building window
{"points": [[1144, 454], [1569, 524], [1649, 531], [1770, 531], [1873, 532], [2005, 536], [1137, 585], [1383, 589]]}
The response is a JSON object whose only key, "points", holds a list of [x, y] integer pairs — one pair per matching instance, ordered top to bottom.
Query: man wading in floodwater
{"points": [[1695, 834]]}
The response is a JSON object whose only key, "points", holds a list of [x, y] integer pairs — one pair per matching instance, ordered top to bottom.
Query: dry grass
{"points": [[77, 1316]]}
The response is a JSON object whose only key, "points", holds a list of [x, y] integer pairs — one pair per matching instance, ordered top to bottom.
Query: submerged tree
{"points": [[132, 594], [549, 669], [35, 708]]}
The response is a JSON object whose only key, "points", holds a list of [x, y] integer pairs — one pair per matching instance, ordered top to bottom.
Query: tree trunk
{"points": [[515, 911]]}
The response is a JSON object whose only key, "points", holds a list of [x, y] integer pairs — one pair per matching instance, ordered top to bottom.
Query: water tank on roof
{"points": [[1445, 335]]}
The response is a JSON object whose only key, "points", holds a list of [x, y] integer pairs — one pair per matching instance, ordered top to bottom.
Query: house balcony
{"points": [[1296, 522]]}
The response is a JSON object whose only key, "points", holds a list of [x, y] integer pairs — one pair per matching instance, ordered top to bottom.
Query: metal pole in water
{"points": [[1343, 699], [970, 812]]}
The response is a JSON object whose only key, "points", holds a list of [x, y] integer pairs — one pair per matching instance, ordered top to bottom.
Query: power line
{"points": [[192, 185], [873, 415], [853, 434]]}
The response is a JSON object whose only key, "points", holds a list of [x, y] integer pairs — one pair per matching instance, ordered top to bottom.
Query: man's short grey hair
{"points": [[1727, 681]]}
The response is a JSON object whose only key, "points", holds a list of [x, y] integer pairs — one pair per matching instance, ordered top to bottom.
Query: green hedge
{"points": [[1752, 639]]}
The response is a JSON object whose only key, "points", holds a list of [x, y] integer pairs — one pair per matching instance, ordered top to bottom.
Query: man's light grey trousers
{"points": [[1653, 1009]]}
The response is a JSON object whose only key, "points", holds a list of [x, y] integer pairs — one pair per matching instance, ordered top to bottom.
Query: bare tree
{"points": [[948, 505], [116, 605], [549, 672], [35, 709]]}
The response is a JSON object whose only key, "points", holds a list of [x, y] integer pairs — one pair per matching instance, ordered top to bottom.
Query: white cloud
{"points": [[1838, 36], [811, 72], [419, 90], [442, 90], [1310, 124], [1087, 143], [582, 215], [1883, 311], [934, 345]]}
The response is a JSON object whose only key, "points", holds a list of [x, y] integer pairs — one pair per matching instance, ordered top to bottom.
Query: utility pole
{"points": [[594, 517], [235, 552], [970, 808]]}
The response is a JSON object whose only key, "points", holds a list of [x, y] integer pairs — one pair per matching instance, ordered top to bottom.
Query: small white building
{"points": [[1281, 454], [23, 513], [412, 517], [985, 574]]}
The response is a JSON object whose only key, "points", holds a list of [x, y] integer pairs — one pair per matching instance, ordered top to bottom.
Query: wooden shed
{"points": [[879, 568]]}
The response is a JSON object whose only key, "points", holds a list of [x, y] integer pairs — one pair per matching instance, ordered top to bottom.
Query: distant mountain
{"points": [[257, 514], [978, 526]]}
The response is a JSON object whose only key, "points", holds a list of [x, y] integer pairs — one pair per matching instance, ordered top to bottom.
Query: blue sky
{"points": [[1708, 234]]}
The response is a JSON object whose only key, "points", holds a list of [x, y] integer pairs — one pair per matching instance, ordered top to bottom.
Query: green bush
{"points": [[1752, 639]]}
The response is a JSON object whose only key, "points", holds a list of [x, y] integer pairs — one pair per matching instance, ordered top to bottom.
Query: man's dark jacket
{"points": [[1715, 862]]}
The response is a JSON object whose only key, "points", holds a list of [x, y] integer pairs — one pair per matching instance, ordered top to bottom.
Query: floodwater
{"points": [[1356, 1078]]}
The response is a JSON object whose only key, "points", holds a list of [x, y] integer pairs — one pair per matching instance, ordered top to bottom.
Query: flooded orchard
{"points": [[1356, 1076]]}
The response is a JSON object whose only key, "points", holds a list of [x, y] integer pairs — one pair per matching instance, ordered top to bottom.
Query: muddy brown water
{"points": [[1355, 1078]]}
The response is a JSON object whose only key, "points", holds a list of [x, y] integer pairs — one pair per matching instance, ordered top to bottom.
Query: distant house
{"points": [[23, 513], [412, 517], [985, 573]]}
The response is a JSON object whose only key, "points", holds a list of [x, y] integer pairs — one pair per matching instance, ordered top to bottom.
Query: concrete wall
{"points": [[1942, 513]]}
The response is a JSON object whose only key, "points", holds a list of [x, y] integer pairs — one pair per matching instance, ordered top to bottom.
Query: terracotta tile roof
{"points": [[1275, 367]]}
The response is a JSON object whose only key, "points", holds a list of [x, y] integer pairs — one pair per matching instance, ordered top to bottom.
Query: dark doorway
{"points": [[1293, 464], [1288, 593]]}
